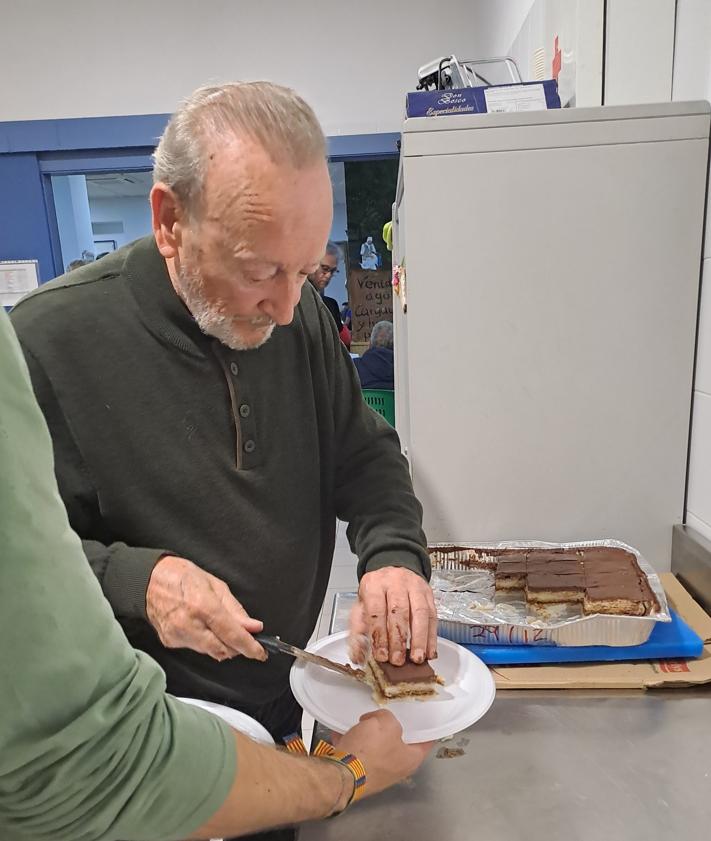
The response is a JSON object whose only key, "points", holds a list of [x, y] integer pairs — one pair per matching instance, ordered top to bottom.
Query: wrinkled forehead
{"points": [[239, 185], [250, 201]]}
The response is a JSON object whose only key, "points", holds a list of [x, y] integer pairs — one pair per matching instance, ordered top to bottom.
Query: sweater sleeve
{"points": [[374, 492], [123, 571], [90, 746]]}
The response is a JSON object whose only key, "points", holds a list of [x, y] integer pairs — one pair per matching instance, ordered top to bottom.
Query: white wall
{"points": [[506, 25], [578, 25], [639, 51], [352, 61], [692, 80], [132, 212]]}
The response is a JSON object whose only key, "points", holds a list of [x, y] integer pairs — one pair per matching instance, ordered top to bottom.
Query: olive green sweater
{"points": [[168, 441], [90, 746]]}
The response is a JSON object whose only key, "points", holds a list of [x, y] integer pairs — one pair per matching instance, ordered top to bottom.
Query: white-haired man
{"points": [[207, 422], [91, 747]]}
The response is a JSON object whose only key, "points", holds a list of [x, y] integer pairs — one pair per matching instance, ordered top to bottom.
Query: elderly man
{"points": [[327, 267], [376, 368], [208, 425], [90, 745]]}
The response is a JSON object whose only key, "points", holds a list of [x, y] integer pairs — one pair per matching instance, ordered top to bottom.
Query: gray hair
{"points": [[274, 117], [333, 250], [382, 335]]}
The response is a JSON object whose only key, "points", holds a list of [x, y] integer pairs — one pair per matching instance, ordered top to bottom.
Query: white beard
{"points": [[211, 316]]}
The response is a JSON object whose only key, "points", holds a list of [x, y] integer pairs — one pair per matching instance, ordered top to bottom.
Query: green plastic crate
{"points": [[382, 401]]}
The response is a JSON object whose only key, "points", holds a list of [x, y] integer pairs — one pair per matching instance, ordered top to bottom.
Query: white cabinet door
{"points": [[552, 304]]}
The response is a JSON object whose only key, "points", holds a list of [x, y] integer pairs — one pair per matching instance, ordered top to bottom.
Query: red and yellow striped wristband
{"points": [[324, 750], [352, 763]]}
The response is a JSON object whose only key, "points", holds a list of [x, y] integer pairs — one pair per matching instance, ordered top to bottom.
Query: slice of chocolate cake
{"points": [[510, 573], [548, 586], [620, 593], [392, 683]]}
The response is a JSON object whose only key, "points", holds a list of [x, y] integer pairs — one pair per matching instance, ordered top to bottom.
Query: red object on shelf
{"points": [[557, 60]]}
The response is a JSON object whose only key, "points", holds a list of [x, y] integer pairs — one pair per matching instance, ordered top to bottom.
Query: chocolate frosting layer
{"points": [[511, 566], [558, 567], [547, 580], [605, 586], [408, 673]]}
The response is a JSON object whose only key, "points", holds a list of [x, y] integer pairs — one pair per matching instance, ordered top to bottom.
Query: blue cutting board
{"points": [[669, 640]]}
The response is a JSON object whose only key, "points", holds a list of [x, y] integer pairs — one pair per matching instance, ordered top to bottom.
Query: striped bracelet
{"points": [[324, 750]]}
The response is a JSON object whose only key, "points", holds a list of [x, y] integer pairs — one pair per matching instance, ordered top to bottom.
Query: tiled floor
{"points": [[344, 579]]}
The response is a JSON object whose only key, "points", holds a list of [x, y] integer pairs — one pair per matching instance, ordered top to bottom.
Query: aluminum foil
{"points": [[470, 610]]}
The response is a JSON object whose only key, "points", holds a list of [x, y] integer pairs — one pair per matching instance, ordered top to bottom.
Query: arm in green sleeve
{"points": [[374, 492], [123, 571], [90, 746]]}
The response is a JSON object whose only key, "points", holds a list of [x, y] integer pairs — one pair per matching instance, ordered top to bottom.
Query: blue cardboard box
{"points": [[524, 96]]}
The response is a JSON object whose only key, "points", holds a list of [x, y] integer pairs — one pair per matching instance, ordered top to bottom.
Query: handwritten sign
{"points": [[370, 294]]}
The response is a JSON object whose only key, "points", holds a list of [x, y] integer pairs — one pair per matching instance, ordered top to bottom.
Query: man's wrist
{"points": [[399, 559], [352, 765], [347, 792]]}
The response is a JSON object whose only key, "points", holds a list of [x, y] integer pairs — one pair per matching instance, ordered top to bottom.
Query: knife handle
{"points": [[268, 642]]}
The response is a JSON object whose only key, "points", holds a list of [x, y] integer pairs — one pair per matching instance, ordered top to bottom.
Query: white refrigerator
{"points": [[545, 360]]}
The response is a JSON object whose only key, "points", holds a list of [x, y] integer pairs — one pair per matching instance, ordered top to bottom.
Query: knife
{"points": [[278, 646]]}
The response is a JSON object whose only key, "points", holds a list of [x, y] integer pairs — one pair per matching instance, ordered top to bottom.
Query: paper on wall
{"points": [[17, 278]]}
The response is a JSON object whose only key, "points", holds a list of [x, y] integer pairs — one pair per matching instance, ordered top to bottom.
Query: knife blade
{"points": [[278, 646]]}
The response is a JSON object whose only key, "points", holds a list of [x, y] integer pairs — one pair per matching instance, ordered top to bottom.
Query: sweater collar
{"points": [[159, 305]]}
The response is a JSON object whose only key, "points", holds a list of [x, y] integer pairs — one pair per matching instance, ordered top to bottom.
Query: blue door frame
{"points": [[34, 150]]}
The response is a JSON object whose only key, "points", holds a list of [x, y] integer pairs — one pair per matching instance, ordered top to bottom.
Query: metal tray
{"points": [[471, 612]]}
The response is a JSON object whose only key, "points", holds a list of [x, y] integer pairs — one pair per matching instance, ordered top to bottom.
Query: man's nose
{"points": [[280, 305]]}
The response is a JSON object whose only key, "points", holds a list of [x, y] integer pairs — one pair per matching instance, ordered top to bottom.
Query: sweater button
{"points": [[234, 368], [244, 411], [249, 446]]}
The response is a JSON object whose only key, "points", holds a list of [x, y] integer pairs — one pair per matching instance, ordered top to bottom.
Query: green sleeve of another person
{"points": [[90, 745]]}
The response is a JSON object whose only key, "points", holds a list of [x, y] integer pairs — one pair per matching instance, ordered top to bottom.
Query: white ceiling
{"points": [[109, 185]]}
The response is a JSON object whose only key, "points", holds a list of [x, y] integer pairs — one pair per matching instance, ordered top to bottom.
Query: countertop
{"points": [[554, 765]]}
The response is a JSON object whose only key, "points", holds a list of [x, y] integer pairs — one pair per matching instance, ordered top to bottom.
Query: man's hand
{"points": [[394, 604], [189, 608], [377, 741]]}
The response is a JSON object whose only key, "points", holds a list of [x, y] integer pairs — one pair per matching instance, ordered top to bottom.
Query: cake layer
{"points": [[606, 579], [510, 582], [603, 586], [616, 606], [420, 681]]}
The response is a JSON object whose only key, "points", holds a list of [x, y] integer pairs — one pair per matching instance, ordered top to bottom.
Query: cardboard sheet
{"points": [[642, 675]]}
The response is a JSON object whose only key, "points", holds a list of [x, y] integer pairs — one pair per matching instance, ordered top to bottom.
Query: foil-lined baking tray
{"points": [[470, 610]]}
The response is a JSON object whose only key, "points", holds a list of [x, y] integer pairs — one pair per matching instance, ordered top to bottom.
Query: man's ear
{"points": [[168, 220]]}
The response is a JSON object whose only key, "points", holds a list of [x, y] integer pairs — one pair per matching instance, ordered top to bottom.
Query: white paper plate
{"points": [[338, 702], [236, 719]]}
